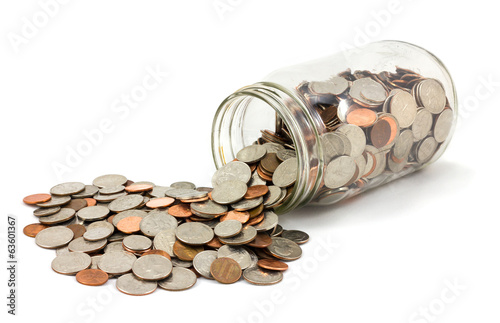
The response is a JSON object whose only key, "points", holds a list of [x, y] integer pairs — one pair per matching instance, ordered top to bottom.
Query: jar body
{"points": [[356, 119]]}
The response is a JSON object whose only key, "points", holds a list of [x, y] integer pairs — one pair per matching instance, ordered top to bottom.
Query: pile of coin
{"points": [[375, 127], [146, 235]]}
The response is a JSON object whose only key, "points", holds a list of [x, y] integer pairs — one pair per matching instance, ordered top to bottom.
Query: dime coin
{"points": [[286, 173], [109, 180], [69, 188], [108, 190], [89, 191], [37, 198], [55, 201], [126, 202], [93, 213], [63, 215], [228, 228], [31, 230], [194, 233], [245, 236], [296, 236], [54, 237], [82, 245], [285, 249], [239, 254], [116, 262], [202, 262], [71, 263], [152, 267], [225, 270], [259, 276], [92, 277], [179, 279], [131, 285]]}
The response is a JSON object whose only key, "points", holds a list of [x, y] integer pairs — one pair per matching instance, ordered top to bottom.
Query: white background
{"points": [[396, 250]]}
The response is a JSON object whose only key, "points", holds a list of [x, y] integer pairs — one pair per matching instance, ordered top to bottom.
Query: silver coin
{"points": [[335, 86], [367, 91], [431, 95], [404, 108], [444, 123], [422, 124], [356, 136], [403, 144], [334, 145], [272, 147], [426, 149], [251, 154], [285, 154], [380, 161], [361, 163], [394, 166], [232, 171], [340, 172], [285, 174], [109, 180], [256, 180], [187, 185], [68, 188], [108, 190], [89, 191], [159, 191], [229, 192], [184, 193], [272, 196], [333, 196], [106, 198], [280, 199], [55, 201], [126, 202], [244, 205], [209, 207], [42, 211], [93, 213], [125, 214], [63, 215], [157, 221], [270, 221], [100, 224], [228, 228], [277, 230], [98, 233], [194, 233], [117, 236], [245, 236], [296, 236], [54, 237], [165, 240], [137, 242], [82, 245], [114, 246], [285, 249], [62, 250], [237, 253], [253, 257], [95, 260], [116, 262], [176, 262], [202, 262], [71, 263], [152, 267], [259, 276], [180, 279], [131, 285]]}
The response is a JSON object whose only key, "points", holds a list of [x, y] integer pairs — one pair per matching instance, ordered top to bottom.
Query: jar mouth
{"points": [[229, 135]]}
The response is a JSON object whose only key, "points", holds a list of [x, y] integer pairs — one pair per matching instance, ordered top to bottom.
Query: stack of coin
{"points": [[376, 128], [145, 235]]}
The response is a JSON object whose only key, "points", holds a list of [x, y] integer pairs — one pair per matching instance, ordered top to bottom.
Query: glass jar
{"points": [[356, 119]]}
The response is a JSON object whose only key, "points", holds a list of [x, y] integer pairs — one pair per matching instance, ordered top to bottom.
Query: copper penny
{"points": [[362, 117], [394, 126], [381, 133], [270, 163], [264, 176], [138, 188], [256, 191], [37, 198], [201, 199], [90, 201], [160, 202], [76, 204], [180, 211], [236, 215], [110, 219], [256, 219], [129, 224], [31, 230], [78, 230], [262, 240], [214, 243], [157, 252], [185, 252], [272, 264], [225, 270], [92, 277]]}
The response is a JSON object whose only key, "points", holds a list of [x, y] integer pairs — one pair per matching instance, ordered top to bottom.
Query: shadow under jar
{"points": [[355, 120]]}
